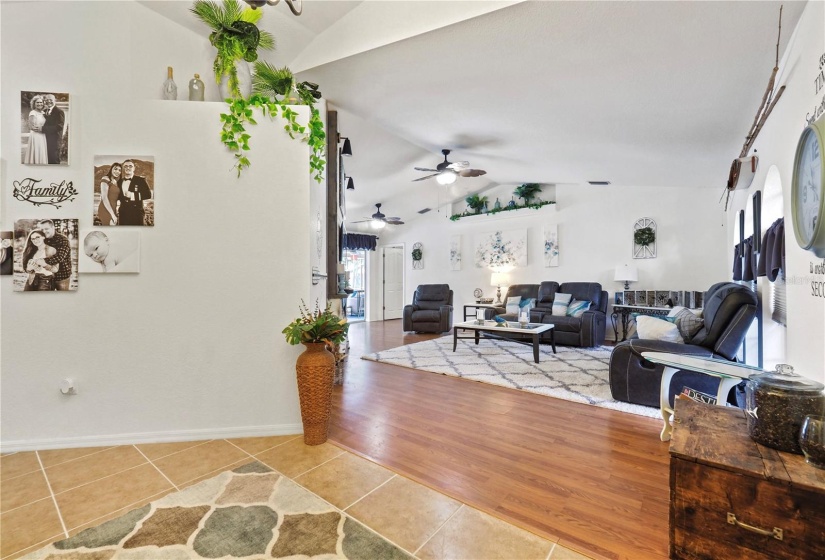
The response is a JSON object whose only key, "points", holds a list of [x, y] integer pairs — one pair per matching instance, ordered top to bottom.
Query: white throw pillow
{"points": [[560, 303], [512, 304], [652, 328]]}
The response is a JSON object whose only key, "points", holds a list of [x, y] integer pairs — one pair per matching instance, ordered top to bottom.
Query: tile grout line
{"points": [[201, 442], [264, 450], [78, 458], [148, 460], [319, 465], [394, 475], [99, 479], [54, 500], [32, 546], [552, 548], [417, 550]]}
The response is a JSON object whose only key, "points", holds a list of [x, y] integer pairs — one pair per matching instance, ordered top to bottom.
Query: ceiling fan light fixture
{"points": [[346, 150], [446, 178], [378, 224]]}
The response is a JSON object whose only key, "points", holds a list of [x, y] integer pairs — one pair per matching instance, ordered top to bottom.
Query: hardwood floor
{"points": [[596, 480]]}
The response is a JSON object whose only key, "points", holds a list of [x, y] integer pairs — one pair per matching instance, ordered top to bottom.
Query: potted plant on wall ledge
{"points": [[527, 192], [476, 203], [315, 368]]}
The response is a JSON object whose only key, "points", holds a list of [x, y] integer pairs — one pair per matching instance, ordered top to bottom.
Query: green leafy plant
{"points": [[234, 35], [268, 82], [527, 192], [476, 202], [535, 206], [644, 236], [417, 254], [316, 326]]}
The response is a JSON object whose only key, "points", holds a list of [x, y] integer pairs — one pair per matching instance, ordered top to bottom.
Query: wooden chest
{"points": [[732, 498]]}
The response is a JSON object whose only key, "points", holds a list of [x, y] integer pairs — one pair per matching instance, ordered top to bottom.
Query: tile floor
{"points": [[48, 495]]}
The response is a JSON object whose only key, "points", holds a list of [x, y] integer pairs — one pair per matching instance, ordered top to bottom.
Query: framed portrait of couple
{"points": [[44, 128], [124, 191], [45, 255]]}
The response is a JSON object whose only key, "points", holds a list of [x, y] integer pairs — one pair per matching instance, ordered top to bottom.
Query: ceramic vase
{"points": [[244, 81], [315, 369]]}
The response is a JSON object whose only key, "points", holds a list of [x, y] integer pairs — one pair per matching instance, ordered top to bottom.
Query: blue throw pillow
{"points": [[526, 304], [577, 308]]}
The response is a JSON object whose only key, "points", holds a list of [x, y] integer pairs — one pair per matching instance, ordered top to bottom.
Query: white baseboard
{"points": [[149, 437]]}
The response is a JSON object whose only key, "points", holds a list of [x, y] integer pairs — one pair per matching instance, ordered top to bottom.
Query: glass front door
{"points": [[355, 265]]}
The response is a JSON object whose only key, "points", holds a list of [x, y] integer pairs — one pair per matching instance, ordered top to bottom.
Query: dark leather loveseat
{"points": [[431, 310], [728, 313], [585, 331]]}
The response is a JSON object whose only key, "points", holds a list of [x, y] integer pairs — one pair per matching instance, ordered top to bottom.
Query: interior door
{"points": [[393, 258]]}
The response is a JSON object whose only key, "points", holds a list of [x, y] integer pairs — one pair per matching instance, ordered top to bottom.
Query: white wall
{"points": [[776, 145], [595, 226], [191, 347]]}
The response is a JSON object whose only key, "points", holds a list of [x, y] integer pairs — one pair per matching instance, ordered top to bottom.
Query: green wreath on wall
{"points": [[644, 236]]}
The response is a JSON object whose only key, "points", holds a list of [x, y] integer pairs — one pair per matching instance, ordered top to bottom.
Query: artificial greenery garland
{"points": [[536, 206], [644, 236], [417, 254]]}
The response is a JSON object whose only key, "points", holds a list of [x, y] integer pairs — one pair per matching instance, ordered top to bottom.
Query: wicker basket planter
{"points": [[315, 368]]}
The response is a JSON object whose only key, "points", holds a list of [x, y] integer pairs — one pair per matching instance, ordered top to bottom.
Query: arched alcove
{"points": [[774, 333]]}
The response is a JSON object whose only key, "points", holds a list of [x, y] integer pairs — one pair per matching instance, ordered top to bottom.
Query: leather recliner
{"points": [[431, 310], [728, 313]]}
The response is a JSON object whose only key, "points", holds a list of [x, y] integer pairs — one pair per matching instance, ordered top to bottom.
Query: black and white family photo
{"points": [[44, 126], [124, 191], [110, 251], [6, 253], [45, 255]]}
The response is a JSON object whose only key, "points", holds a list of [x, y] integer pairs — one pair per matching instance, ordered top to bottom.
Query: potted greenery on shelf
{"points": [[234, 35], [527, 192], [476, 203], [320, 331]]}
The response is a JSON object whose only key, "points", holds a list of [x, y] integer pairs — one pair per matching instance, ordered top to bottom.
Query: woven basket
{"points": [[315, 368]]}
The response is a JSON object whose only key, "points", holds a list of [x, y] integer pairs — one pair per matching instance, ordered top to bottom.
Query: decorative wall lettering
{"points": [[28, 190], [818, 285]]}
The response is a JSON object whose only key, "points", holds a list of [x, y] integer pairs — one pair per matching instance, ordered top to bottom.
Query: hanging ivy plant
{"points": [[268, 82], [644, 236], [417, 254]]}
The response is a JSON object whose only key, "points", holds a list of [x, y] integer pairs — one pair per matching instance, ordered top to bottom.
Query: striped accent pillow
{"points": [[560, 303], [577, 308]]}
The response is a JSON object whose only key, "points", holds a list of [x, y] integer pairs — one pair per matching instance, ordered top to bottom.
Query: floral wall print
{"points": [[551, 245], [501, 249], [455, 252]]}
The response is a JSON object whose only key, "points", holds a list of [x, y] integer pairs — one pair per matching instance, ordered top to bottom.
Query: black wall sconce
{"points": [[346, 150], [350, 184]]}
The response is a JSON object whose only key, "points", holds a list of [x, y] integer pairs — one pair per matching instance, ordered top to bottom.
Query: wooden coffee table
{"points": [[529, 334]]}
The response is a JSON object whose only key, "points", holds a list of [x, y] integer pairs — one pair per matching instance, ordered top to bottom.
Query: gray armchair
{"points": [[431, 310], [728, 313]]}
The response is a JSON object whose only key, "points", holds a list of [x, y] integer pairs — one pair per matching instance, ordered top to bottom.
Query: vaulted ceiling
{"points": [[636, 93]]}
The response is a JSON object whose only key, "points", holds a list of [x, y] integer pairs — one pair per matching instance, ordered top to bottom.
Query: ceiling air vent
{"points": [[599, 183], [424, 211]]}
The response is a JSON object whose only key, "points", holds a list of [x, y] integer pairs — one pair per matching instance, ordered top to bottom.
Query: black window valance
{"points": [[357, 241]]}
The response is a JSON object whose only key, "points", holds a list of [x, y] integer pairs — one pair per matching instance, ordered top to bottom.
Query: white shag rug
{"points": [[573, 374]]}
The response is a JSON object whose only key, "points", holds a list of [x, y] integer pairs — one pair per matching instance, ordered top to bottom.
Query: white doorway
{"points": [[392, 258]]}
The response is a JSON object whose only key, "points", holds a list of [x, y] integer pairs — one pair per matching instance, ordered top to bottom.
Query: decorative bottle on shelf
{"points": [[170, 88], [196, 88]]}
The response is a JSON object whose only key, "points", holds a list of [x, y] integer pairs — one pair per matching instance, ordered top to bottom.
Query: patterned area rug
{"points": [[573, 374], [250, 512]]}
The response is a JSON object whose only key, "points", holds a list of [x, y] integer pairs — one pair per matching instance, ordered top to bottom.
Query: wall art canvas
{"points": [[44, 128], [124, 191], [551, 245], [501, 249], [109, 250], [455, 252], [6, 253], [45, 255], [629, 297], [618, 298], [641, 298], [651, 298], [661, 298], [676, 298]]}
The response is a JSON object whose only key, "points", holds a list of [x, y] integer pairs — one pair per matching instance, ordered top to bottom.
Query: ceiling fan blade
{"points": [[456, 165], [425, 169], [472, 172], [426, 177], [395, 219], [362, 221], [395, 222]]}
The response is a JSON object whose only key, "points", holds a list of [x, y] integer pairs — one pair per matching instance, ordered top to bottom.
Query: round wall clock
{"points": [[807, 201]]}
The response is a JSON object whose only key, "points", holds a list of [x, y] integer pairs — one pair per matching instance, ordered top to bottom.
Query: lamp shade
{"points": [[346, 150], [626, 273], [499, 279]]}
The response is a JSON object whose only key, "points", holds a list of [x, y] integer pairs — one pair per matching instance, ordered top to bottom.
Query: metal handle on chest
{"points": [[776, 532]]}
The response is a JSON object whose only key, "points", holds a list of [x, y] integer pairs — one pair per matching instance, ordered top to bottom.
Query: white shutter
{"points": [[779, 299]]}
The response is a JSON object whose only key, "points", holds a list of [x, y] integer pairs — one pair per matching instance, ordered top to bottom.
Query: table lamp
{"points": [[626, 273], [499, 279]]}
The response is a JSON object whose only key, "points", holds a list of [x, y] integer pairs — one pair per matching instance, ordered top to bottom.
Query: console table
{"points": [[624, 311], [732, 498]]}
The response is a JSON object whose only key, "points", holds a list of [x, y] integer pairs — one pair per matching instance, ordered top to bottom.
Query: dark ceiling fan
{"points": [[447, 172], [379, 220]]}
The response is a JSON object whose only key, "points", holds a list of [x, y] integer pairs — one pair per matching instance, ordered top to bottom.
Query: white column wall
{"points": [[192, 346]]}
